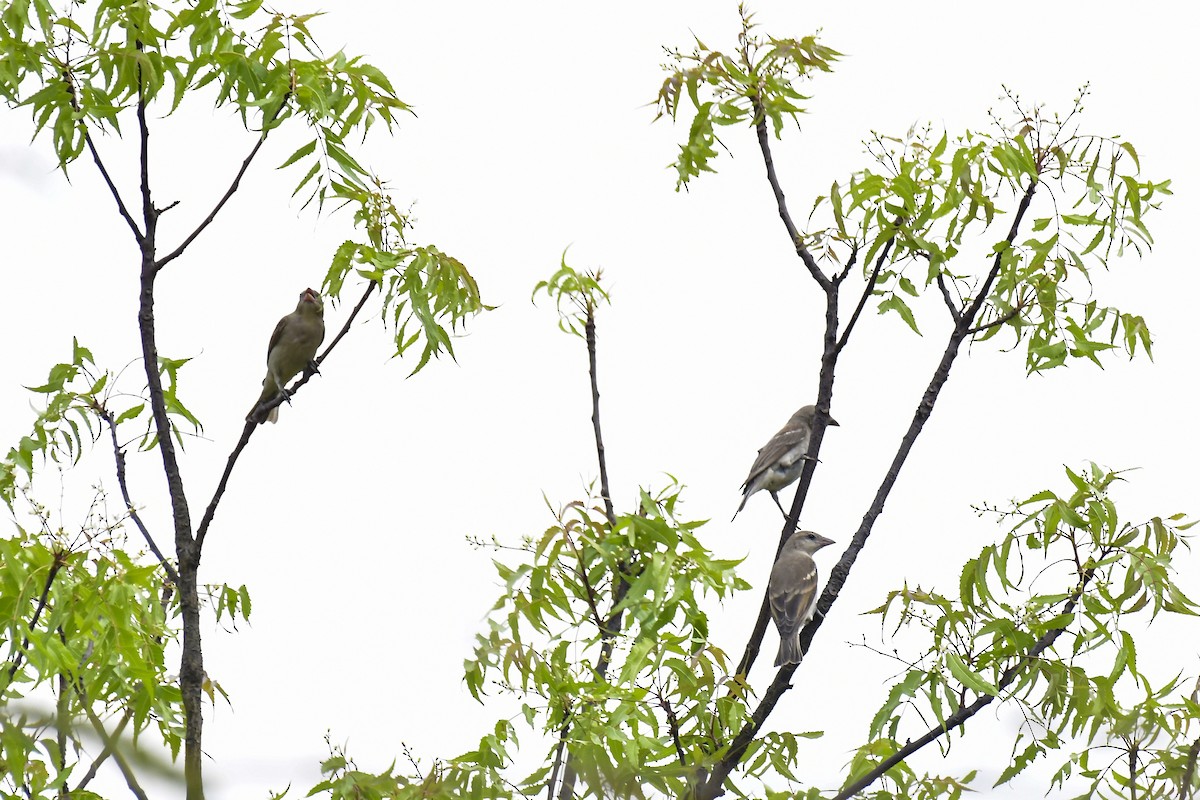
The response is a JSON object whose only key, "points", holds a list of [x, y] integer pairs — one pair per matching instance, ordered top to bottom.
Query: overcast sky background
{"points": [[348, 520]]}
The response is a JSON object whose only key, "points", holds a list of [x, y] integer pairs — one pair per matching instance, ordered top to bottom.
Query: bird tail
{"points": [[741, 505], [789, 650]]}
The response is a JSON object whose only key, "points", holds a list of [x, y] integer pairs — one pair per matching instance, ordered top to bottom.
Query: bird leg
{"points": [[312, 367], [775, 497]]}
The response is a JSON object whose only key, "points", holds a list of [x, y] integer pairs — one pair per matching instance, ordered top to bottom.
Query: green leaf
{"points": [[972, 680]]}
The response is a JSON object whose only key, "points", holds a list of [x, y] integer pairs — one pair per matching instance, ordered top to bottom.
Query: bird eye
{"points": [[812, 537]]}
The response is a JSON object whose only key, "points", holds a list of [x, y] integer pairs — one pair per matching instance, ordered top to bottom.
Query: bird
{"points": [[293, 347], [781, 460], [792, 592]]}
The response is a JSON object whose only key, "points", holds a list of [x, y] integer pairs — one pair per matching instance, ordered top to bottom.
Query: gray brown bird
{"points": [[293, 346], [781, 460], [792, 592]]}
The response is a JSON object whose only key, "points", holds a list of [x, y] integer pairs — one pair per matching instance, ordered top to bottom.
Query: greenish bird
{"points": [[293, 346]]}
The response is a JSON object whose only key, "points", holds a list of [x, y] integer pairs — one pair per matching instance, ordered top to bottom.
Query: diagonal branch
{"points": [[764, 144], [91, 146], [233, 187], [867, 290], [955, 312], [1003, 318], [252, 424], [119, 455], [19, 656], [960, 717], [111, 746], [105, 753]]}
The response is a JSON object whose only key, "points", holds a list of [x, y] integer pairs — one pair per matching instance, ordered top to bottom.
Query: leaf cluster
{"points": [[1061, 652]]}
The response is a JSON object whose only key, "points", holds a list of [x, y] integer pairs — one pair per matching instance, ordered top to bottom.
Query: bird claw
{"points": [[312, 367], [287, 396]]}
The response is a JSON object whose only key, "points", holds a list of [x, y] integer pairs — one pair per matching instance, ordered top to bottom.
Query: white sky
{"points": [[534, 134]]}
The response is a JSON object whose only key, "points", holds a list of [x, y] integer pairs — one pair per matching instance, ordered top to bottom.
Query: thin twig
{"points": [[87, 139], [764, 144], [233, 187], [867, 290], [1014, 311], [955, 312], [590, 331], [119, 455], [612, 625], [19, 656], [673, 727], [109, 744], [104, 754], [558, 754]]}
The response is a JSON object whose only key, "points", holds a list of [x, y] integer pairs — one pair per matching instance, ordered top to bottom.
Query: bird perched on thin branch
{"points": [[293, 347], [781, 460], [792, 592]]}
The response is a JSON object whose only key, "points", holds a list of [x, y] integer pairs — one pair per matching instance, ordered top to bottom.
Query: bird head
{"points": [[311, 302], [806, 415], [807, 541]]}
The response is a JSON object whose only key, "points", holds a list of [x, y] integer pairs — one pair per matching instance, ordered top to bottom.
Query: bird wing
{"points": [[278, 333], [775, 451], [793, 591]]}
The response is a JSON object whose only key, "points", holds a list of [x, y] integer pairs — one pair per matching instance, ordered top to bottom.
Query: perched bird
{"points": [[293, 347], [781, 460], [793, 592]]}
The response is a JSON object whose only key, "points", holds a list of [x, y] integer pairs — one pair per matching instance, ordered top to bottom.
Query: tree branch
{"points": [[764, 144], [91, 146], [233, 187], [867, 290], [1014, 311], [955, 313], [590, 332], [258, 414], [119, 455], [612, 625], [19, 656], [191, 665], [960, 717], [110, 746], [104, 754], [558, 755], [1189, 771]]}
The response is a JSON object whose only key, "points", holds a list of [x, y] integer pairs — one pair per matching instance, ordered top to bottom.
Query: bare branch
{"points": [[764, 144], [91, 146], [233, 187], [867, 290], [955, 313], [590, 331], [119, 455], [673, 727], [110, 746], [105, 753], [558, 755]]}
